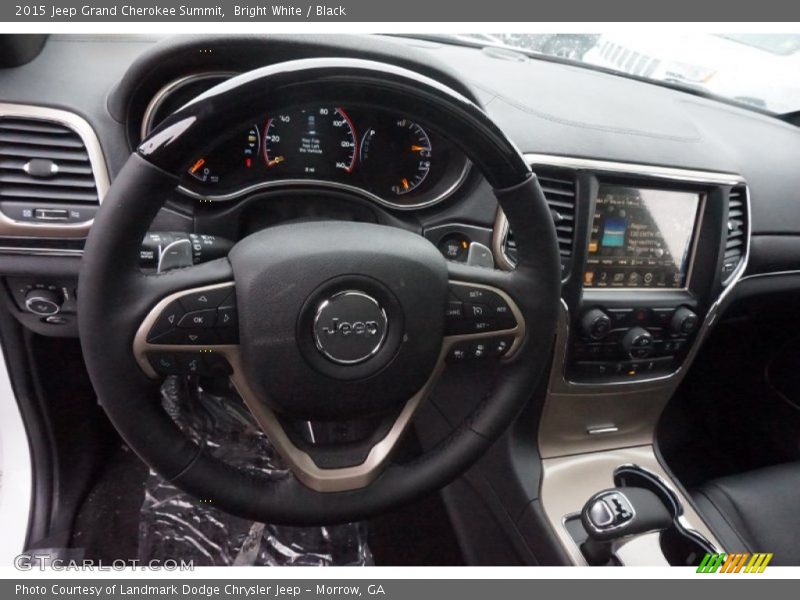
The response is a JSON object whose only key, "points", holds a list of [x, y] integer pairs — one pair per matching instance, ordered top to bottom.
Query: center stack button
{"points": [[596, 324], [638, 343]]}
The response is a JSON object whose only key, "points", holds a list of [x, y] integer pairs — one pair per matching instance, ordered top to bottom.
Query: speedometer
{"points": [[310, 142]]}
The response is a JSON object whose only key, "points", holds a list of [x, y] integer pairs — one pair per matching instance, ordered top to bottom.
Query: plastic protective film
{"points": [[175, 525]]}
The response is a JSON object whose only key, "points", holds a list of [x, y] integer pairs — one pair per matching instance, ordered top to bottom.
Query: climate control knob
{"points": [[43, 302], [684, 321], [595, 323], [638, 343]]}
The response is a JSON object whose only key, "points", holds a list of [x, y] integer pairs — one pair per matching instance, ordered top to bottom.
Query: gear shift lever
{"points": [[618, 513]]}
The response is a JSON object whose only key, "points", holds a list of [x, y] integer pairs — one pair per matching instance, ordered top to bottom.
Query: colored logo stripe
{"points": [[735, 563]]}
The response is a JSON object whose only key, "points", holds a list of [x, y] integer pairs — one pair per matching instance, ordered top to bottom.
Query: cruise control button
{"points": [[468, 293], [207, 299], [454, 310], [476, 312], [501, 312], [503, 316], [199, 318], [166, 321], [467, 326]]}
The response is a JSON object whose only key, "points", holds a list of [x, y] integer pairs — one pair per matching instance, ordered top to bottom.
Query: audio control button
{"points": [[205, 299], [166, 321]]}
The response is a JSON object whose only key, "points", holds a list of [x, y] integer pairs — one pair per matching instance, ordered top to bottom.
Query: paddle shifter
{"points": [[619, 513]]}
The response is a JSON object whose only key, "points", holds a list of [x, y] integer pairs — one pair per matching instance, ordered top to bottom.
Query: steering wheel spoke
{"points": [[319, 453]]}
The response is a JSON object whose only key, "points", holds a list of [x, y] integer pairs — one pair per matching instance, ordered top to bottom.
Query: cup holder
{"points": [[681, 546]]}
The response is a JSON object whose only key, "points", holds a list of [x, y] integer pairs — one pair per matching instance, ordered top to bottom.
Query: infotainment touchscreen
{"points": [[641, 238]]}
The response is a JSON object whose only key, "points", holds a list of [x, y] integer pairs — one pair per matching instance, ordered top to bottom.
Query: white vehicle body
{"points": [[732, 66]]}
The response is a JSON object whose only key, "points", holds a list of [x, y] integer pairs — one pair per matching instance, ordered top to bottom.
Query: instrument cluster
{"points": [[388, 158]]}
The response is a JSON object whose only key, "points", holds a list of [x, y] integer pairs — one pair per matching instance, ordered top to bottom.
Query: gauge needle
{"points": [[416, 148], [275, 161], [196, 166], [405, 183]]}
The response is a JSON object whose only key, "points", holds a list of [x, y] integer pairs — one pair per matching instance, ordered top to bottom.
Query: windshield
{"points": [[756, 70]]}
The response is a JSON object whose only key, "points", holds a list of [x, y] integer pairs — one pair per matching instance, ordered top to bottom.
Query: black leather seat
{"points": [[757, 511]]}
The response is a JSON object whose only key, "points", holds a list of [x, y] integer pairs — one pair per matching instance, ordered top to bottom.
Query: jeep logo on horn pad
{"points": [[349, 327]]}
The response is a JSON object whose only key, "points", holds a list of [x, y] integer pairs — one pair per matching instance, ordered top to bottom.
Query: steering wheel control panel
{"points": [[478, 310], [198, 318], [185, 333], [632, 342]]}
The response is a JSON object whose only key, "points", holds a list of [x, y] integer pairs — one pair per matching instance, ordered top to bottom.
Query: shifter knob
{"points": [[619, 513]]}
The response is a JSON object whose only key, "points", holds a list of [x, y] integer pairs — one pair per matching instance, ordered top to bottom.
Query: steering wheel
{"points": [[332, 332]]}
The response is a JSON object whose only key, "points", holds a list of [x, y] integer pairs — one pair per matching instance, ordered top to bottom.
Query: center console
{"points": [[649, 255], [638, 315]]}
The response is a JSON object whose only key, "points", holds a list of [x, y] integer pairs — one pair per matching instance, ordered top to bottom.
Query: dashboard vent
{"points": [[44, 163], [558, 186], [736, 238]]}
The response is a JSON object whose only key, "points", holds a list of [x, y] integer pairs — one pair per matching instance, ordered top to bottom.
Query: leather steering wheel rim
{"points": [[115, 296]]}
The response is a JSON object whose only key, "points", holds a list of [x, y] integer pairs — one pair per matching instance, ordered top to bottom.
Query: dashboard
{"points": [[608, 171]]}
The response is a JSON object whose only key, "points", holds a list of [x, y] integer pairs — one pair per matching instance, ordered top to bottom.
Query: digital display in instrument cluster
{"points": [[395, 159], [641, 238]]}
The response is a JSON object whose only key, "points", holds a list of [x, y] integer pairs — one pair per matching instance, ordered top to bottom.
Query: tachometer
{"points": [[310, 142], [399, 155]]}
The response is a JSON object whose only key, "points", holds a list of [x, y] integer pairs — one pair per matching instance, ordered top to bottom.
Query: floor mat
{"points": [[132, 513], [106, 525], [175, 525]]}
